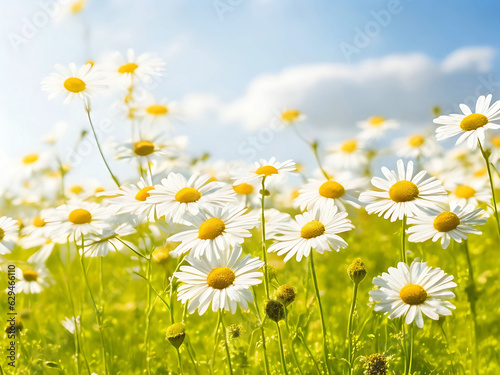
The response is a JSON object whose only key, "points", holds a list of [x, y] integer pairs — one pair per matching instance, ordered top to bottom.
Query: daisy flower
{"points": [[129, 69], [83, 83], [155, 112], [291, 116], [470, 126], [375, 127], [415, 146], [154, 147], [495, 149], [349, 154], [264, 169], [468, 191], [318, 194], [402, 194], [176, 195], [133, 199], [75, 219], [445, 225], [215, 229], [316, 230], [9, 233], [32, 280], [224, 282], [413, 291], [71, 324]]}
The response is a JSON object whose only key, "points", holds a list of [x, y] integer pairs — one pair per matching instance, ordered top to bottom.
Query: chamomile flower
{"points": [[66, 9], [131, 68], [72, 83], [155, 112], [290, 116], [471, 126], [375, 127], [415, 146], [153, 147], [495, 149], [349, 154], [35, 162], [264, 168], [466, 191], [318, 194], [402, 194], [177, 195], [132, 199], [75, 219], [445, 225], [213, 230], [316, 230], [9, 233], [32, 280], [224, 282], [413, 292], [71, 324]]}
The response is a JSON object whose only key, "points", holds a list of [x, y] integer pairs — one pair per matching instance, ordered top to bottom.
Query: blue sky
{"points": [[259, 57]]}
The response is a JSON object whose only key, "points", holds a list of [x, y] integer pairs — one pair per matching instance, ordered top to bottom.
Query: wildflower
{"points": [[375, 127], [264, 168], [9, 233], [357, 271], [285, 294], [275, 310], [176, 334]]}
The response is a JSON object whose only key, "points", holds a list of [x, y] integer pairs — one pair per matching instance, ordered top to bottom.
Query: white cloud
{"points": [[337, 95]]}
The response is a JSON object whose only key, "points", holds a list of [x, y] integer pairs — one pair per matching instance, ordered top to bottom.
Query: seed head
{"points": [[357, 271], [285, 294], [275, 310], [176, 334], [375, 364]]}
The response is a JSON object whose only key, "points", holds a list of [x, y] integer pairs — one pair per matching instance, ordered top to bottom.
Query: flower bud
{"points": [[357, 271], [285, 294], [275, 310], [234, 331], [176, 334], [375, 364]]}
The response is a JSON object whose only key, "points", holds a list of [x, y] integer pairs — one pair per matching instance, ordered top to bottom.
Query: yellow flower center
{"points": [[78, 6], [91, 63], [128, 68], [74, 85], [157, 110], [290, 115], [376, 121], [473, 121], [416, 141], [496, 141], [349, 146], [144, 148], [30, 159], [266, 170], [480, 173], [76, 189], [243, 189], [331, 189], [98, 190], [403, 191], [464, 191], [143, 193], [187, 195], [80, 216], [446, 221], [38, 222], [211, 228], [312, 229], [2, 234], [30, 275], [221, 278], [413, 294]]}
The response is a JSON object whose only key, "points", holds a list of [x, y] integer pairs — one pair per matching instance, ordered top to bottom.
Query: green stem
{"points": [[87, 109], [314, 147], [488, 168], [403, 240], [264, 250], [472, 296], [320, 307], [96, 309], [149, 310], [261, 322], [349, 326], [224, 333], [412, 338], [302, 340], [216, 342], [189, 348], [282, 352], [179, 360]]}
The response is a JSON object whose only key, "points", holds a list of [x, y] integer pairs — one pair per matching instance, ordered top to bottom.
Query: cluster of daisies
{"points": [[203, 210]]}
